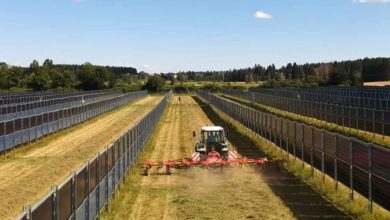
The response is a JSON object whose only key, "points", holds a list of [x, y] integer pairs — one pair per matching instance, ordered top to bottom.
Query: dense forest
{"points": [[345, 72], [50, 76]]}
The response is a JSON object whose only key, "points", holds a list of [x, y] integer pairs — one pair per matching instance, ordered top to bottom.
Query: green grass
{"points": [[380, 140], [340, 198]]}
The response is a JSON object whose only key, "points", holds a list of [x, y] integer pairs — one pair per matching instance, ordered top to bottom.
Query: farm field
{"points": [[381, 83], [29, 172], [236, 193]]}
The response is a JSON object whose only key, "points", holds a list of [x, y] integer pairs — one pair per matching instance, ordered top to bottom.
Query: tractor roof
{"points": [[212, 128]]}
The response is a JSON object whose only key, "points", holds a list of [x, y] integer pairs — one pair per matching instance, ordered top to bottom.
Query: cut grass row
{"points": [[369, 137], [324, 186], [127, 189]]}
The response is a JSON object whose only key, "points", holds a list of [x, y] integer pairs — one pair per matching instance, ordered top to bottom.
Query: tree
{"points": [[48, 63], [34, 66], [289, 70], [259, 72], [271, 72], [297, 72], [3, 75], [339, 75], [249, 76], [15, 77], [86, 77], [182, 77], [94, 78], [104, 78], [356, 78], [63, 80], [39, 81], [155, 83]]}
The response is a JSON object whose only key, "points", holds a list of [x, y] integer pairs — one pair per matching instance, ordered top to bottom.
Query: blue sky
{"points": [[174, 35]]}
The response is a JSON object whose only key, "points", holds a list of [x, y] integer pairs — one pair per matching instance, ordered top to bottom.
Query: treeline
{"points": [[345, 72], [50, 76], [60, 77]]}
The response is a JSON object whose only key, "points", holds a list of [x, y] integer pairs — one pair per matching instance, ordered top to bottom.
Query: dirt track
{"points": [[26, 176], [237, 193]]}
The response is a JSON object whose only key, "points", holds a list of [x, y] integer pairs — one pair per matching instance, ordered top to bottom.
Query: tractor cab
{"points": [[212, 134], [212, 137]]}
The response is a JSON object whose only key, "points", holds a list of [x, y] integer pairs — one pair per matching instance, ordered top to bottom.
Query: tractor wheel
{"points": [[225, 156], [168, 170], [146, 171]]}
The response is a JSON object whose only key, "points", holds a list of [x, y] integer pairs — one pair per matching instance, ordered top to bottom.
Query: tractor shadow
{"points": [[299, 197]]}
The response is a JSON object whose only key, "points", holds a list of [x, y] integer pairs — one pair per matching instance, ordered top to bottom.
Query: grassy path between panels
{"points": [[27, 174], [236, 193]]}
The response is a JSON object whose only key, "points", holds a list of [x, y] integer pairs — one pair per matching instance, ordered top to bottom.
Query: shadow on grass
{"points": [[299, 197]]}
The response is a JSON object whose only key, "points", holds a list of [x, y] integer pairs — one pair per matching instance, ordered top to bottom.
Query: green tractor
{"points": [[212, 138]]}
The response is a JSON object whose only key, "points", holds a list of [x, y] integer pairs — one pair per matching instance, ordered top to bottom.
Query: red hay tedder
{"points": [[212, 151]]}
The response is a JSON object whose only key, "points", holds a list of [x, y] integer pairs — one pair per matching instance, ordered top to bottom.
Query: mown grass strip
{"points": [[369, 137], [129, 188], [340, 198]]}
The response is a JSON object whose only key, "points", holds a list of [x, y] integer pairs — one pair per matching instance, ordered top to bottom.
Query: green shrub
{"points": [[155, 83], [287, 83], [127, 87], [184, 88]]}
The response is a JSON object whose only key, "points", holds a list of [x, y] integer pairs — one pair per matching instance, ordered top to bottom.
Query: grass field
{"points": [[382, 83], [27, 173], [236, 193]]}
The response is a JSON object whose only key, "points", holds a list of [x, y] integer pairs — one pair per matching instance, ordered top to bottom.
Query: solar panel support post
{"points": [[343, 116], [365, 120], [373, 123], [383, 125], [13, 135], [294, 142], [287, 144], [312, 152], [302, 154], [322, 156], [113, 170], [106, 180], [97, 183], [336, 185], [86, 190], [73, 192], [351, 192], [370, 204], [55, 206], [27, 210]]}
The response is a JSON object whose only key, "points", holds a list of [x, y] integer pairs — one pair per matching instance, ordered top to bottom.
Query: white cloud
{"points": [[371, 1], [262, 15]]}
